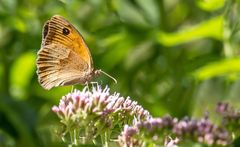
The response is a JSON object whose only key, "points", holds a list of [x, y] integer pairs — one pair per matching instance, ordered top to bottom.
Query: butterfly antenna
{"points": [[109, 76]]}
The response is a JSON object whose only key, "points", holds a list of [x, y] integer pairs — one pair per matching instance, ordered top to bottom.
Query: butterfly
{"points": [[64, 58]]}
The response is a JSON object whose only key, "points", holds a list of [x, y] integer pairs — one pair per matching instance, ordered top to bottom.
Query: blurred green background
{"points": [[177, 57]]}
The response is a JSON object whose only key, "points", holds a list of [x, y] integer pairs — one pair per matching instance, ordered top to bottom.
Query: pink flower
{"points": [[91, 113]]}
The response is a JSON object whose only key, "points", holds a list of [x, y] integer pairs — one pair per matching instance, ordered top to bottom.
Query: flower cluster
{"points": [[228, 113], [88, 114], [230, 118], [150, 129], [156, 130], [203, 131]]}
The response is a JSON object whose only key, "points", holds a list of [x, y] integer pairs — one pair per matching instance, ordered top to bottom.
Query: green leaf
{"points": [[210, 5], [8, 6], [150, 11], [130, 14], [18, 24], [212, 28], [119, 46], [115, 55], [229, 67], [1, 71], [21, 74], [7, 140]]}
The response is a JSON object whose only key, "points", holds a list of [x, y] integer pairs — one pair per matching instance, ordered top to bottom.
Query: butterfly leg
{"points": [[95, 83], [87, 86]]}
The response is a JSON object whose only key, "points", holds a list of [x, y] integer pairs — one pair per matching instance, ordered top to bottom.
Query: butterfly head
{"points": [[97, 72]]}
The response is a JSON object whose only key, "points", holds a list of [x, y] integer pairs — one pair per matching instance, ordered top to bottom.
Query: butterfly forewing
{"points": [[59, 31]]}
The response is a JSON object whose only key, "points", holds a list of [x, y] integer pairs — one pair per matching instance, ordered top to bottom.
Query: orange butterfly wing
{"points": [[64, 58]]}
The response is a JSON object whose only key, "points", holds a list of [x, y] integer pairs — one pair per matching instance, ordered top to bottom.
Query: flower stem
{"points": [[106, 136]]}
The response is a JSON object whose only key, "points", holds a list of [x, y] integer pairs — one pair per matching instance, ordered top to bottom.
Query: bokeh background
{"points": [[177, 57]]}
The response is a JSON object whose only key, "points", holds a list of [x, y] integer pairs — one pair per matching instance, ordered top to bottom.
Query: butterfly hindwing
{"points": [[60, 68]]}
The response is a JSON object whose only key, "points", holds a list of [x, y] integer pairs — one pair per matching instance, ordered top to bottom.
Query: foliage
{"points": [[175, 57]]}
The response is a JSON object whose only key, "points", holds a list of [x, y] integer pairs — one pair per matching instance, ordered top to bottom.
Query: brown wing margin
{"points": [[52, 33]]}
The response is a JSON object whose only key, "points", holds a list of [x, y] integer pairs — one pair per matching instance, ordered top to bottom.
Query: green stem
{"points": [[162, 18], [6, 72], [71, 136], [106, 136], [75, 137]]}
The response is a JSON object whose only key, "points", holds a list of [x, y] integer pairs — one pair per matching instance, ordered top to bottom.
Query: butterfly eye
{"points": [[65, 31]]}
